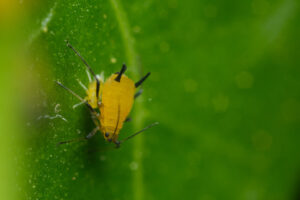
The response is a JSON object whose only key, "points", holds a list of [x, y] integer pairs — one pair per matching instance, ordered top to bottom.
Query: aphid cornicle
{"points": [[109, 102]]}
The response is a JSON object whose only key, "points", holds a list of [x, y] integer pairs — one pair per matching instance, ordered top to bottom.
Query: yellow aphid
{"points": [[110, 102]]}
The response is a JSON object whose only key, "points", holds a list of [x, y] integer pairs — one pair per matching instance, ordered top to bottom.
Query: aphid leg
{"points": [[88, 67], [88, 75], [118, 78], [137, 84], [82, 85], [138, 93], [78, 97], [77, 104], [95, 119], [91, 134], [72, 140], [118, 143]]}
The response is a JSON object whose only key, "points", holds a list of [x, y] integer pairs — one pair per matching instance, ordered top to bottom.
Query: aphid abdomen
{"points": [[117, 100]]}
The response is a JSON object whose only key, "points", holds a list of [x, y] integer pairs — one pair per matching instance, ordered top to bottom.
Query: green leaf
{"points": [[101, 33], [223, 86]]}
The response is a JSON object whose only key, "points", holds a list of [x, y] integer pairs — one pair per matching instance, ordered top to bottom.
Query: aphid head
{"points": [[108, 136]]}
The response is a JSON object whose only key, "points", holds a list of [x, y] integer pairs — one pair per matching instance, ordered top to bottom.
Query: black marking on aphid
{"points": [[89, 68], [118, 78], [137, 84], [97, 89], [106, 134]]}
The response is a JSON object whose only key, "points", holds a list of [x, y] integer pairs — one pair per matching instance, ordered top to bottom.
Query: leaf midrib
{"points": [[134, 66]]}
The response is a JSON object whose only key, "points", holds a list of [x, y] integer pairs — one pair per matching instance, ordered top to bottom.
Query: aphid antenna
{"points": [[87, 65], [123, 69], [137, 84], [118, 143]]}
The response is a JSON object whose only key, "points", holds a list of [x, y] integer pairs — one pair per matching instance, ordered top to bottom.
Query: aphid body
{"points": [[110, 102], [116, 103]]}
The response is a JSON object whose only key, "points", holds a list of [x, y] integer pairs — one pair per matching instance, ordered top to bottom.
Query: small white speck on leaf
{"points": [[45, 29], [113, 60], [133, 166]]}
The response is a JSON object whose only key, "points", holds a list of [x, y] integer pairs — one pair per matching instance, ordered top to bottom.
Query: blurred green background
{"points": [[224, 88]]}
